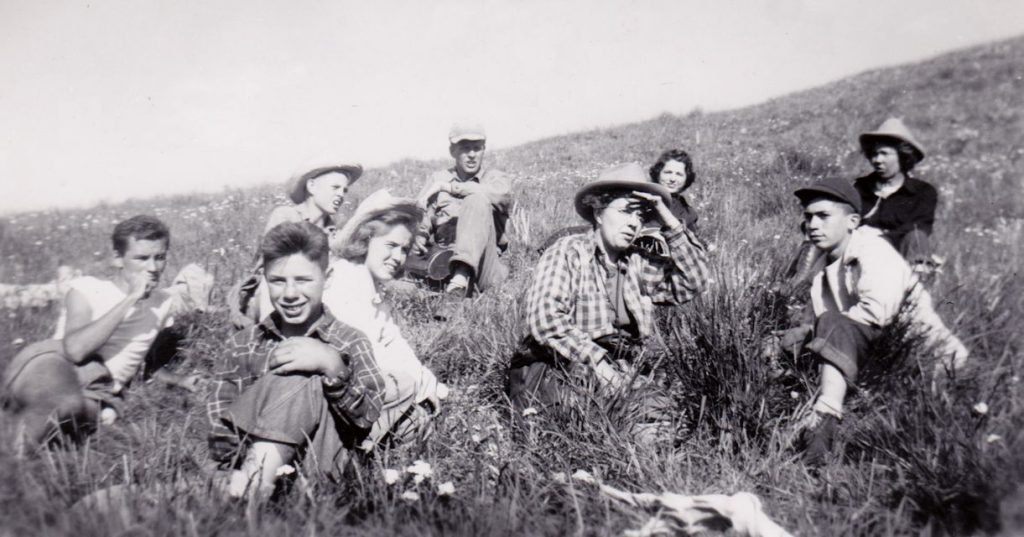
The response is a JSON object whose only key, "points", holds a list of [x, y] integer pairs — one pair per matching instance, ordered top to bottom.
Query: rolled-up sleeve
{"points": [[684, 275]]}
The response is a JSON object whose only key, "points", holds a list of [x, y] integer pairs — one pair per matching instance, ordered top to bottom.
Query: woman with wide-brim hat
{"points": [[316, 192], [899, 206], [371, 249]]}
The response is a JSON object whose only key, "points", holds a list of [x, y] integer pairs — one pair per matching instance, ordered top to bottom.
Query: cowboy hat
{"points": [[892, 129], [627, 177], [296, 187], [371, 208]]}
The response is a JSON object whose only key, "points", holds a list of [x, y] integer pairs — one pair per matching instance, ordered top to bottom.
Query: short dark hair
{"points": [[674, 154], [907, 154], [597, 201], [141, 227], [291, 238], [355, 249]]}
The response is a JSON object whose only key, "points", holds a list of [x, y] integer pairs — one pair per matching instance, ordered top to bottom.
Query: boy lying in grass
{"points": [[860, 291], [105, 333], [299, 380]]}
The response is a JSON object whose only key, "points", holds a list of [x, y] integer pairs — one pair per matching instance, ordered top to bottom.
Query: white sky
{"points": [[107, 99]]}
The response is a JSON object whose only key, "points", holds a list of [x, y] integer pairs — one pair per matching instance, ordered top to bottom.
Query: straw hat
{"points": [[892, 129], [627, 177], [296, 187], [375, 205]]}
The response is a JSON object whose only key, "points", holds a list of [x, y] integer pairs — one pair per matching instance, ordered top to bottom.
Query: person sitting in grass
{"points": [[317, 193], [898, 206], [467, 209], [372, 247], [859, 292], [590, 305], [105, 333], [299, 381]]}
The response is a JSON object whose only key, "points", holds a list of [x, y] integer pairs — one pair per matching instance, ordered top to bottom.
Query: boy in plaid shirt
{"points": [[591, 303], [299, 380]]}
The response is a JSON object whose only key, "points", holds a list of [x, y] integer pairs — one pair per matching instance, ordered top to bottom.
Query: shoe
{"points": [[818, 440]]}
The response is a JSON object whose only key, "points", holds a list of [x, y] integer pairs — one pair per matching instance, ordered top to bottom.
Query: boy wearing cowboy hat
{"points": [[897, 206], [467, 208], [864, 287], [590, 306]]}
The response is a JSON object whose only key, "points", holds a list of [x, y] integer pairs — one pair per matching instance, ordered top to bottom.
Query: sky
{"points": [[101, 100]]}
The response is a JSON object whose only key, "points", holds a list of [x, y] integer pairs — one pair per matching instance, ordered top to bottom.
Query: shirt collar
{"points": [[475, 178], [270, 325]]}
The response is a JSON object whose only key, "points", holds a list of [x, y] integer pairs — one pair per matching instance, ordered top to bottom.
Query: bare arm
{"points": [[83, 336]]}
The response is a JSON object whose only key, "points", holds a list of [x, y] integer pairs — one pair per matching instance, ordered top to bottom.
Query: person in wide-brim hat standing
{"points": [[897, 205], [590, 304]]}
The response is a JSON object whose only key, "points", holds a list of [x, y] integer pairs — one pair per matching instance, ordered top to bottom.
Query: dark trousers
{"points": [[842, 342]]}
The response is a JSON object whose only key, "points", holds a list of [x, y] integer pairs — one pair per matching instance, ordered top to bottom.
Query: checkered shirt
{"points": [[568, 306], [357, 401]]}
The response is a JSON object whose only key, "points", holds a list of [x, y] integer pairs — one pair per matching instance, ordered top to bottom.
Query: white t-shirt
{"points": [[126, 348]]}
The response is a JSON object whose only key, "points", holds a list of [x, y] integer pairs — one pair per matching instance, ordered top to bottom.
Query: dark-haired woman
{"points": [[674, 171]]}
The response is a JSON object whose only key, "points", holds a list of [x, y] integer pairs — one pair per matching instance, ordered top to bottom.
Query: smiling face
{"points": [[469, 157], [885, 160], [673, 176], [327, 191], [618, 223], [829, 225], [386, 253], [148, 257], [296, 285]]}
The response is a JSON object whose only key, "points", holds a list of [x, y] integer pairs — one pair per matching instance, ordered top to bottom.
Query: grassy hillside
{"points": [[917, 455]]}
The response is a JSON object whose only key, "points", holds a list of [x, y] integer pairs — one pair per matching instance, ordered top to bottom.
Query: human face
{"points": [[469, 156], [885, 160], [673, 176], [328, 191], [618, 223], [829, 225], [385, 254], [143, 258], [296, 285]]}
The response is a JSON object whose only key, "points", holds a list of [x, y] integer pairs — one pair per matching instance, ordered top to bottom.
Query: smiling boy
{"points": [[860, 291], [300, 380]]}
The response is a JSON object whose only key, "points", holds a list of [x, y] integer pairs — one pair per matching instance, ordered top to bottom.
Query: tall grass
{"points": [[915, 454]]}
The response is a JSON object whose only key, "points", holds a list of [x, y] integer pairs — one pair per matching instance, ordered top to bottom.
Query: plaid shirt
{"points": [[568, 305], [357, 401]]}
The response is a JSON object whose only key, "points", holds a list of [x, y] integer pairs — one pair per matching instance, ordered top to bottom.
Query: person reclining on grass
{"points": [[316, 192], [467, 210], [372, 247], [860, 291], [590, 305], [105, 331], [300, 380]]}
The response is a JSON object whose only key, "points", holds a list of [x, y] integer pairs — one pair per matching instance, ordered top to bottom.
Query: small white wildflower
{"points": [[775, 237], [712, 247], [18, 342], [1014, 379], [794, 395], [981, 408], [527, 412], [476, 438], [993, 438], [420, 468], [285, 469], [583, 475], [391, 476], [558, 476], [418, 479], [446, 489], [410, 496]]}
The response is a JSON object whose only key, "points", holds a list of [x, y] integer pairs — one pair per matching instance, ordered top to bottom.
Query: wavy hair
{"points": [[678, 155], [355, 249]]}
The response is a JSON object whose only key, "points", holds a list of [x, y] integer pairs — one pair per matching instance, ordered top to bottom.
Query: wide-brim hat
{"points": [[890, 130], [624, 177], [296, 187], [833, 187], [375, 205]]}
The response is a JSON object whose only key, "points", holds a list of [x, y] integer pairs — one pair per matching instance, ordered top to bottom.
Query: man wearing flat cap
{"points": [[467, 208], [864, 286], [590, 306]]}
